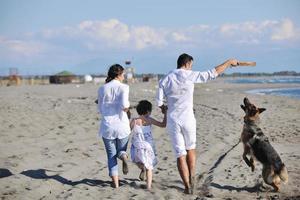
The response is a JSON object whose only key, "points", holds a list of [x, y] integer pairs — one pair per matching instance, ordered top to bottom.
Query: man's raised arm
{"points": [[229, 63]]}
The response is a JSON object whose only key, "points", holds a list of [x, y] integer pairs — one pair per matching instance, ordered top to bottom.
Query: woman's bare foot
{"points": [[115, 181]]}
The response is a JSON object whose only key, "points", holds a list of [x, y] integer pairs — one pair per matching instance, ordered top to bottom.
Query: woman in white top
{"points": [[113, 104]]}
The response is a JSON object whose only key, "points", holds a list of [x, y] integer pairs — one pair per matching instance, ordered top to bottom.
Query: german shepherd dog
{"points": [[257, 144]]}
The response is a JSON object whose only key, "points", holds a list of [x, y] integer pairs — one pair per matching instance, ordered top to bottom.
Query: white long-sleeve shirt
{"points": [[177, 88], [113, 97]]}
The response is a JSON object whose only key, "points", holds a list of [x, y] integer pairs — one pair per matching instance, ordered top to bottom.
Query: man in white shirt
{"points": [[177, 88]]}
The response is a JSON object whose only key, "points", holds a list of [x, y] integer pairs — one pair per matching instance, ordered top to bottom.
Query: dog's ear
{"points": [[246, 101], [243, 107], [260, 110]]}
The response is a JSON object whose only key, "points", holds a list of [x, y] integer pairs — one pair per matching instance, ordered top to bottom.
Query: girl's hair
{"points": [[114, 71], [143, 107]]}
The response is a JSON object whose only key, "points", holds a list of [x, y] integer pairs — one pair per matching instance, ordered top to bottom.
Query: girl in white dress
{"points": [[142, 150]]}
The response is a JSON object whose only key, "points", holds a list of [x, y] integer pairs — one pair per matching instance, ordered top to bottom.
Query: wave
{"points": [[289, 92]]}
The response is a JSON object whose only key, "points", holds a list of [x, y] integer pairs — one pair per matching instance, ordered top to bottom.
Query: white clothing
{"points": [[178, 89], [112, 99], [182, 135], [142, 148]]}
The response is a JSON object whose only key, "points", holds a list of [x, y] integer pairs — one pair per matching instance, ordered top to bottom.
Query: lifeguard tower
{"points": [[129, 75], [14, 78]]}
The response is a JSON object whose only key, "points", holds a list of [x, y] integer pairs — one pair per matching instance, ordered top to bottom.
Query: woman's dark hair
{"points": [[183, 59], [114, 71], [143, 107]]}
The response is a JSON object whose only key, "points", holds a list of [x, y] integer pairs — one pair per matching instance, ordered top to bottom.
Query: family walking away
{"points": [[177, 89]]}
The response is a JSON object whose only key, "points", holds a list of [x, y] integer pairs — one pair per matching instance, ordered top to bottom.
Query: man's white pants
{"points": [[182, 134]]}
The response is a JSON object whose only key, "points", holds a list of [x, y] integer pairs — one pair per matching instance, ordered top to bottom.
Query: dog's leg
{"points": [[246, 151], [252, 164], [284, 175], [270, 177], [276, 182], [276, 187]]}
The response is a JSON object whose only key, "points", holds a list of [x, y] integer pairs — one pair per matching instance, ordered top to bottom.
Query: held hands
{"points": [[164, 109]]}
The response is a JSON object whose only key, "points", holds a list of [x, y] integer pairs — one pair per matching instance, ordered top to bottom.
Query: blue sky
{"points": [[45, 37]]}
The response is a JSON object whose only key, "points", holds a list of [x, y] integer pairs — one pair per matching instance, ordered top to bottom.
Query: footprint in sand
{"points": [[71, 150], [86, 154]]}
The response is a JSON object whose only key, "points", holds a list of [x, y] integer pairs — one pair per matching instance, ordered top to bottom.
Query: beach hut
{"points": [[62, 78]]}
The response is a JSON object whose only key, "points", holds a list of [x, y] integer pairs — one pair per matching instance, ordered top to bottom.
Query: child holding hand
{"points": [[143, 151]]}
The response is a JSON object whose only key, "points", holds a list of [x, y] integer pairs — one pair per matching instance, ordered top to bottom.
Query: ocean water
{"points": [[266, 80], [290, 92]]}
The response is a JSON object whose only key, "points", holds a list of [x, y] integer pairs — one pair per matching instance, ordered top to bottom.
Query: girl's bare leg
{"points": [[143, 171], [149, 178]]}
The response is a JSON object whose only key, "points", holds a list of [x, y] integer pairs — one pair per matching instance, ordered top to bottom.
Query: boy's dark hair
{"points": [[183, 59], [143, 107]]}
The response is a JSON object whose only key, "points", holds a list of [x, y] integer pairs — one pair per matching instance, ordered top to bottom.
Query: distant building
{"points": [[63, 77], [149, 77], [99, 79]]}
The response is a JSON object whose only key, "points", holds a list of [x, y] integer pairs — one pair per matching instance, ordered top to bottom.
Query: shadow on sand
{"points": [[4, 173], [41, 174], [254, 189]]}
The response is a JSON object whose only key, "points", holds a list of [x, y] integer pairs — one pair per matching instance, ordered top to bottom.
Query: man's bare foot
{"points": [[125, 164], [193, 184], [188, 190]]}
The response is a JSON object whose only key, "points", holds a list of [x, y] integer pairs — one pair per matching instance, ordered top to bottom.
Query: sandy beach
{"points": [[50, 149]]}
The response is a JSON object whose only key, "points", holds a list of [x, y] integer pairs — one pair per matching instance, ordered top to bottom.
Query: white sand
{"points": [[49, 143]]}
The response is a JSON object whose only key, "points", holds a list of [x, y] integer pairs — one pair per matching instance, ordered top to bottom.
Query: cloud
{"points": [[112, 30], [285, 31], [110, 33], [114, 34], [94, 36], [146, 36], [179, 37], [21, 47]]}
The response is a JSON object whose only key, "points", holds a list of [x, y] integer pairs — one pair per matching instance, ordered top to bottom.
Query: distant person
{"points": [[177, 88], [113, 104], [142, 150]]}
